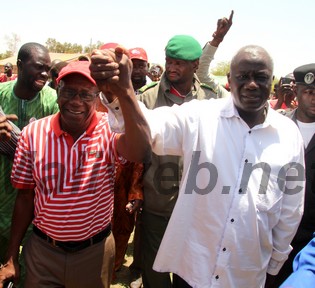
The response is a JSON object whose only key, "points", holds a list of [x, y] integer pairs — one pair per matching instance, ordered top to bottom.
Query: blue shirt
{"points": [[304, 268]]}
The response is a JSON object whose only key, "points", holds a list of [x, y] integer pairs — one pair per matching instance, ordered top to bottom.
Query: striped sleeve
{"points": [[21, 176]]}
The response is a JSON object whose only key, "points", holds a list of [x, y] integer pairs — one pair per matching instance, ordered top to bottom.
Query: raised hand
{"points": [[223, 26], [111, 70]]}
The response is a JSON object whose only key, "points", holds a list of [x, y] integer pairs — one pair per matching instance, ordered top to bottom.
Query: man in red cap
{"points": [[140, 68], [64, 173]]}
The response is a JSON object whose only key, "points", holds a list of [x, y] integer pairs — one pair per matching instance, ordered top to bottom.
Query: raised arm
{"points": [[208, 52], [112, 73]]}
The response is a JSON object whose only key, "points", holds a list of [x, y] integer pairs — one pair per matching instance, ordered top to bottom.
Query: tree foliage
{"points": [[12, 42], [54, 46], [91, 47], [221, 69]]}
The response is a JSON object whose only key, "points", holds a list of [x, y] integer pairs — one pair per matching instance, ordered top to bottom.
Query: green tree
{"points": [[12, 42], [51, 44], [55, 46], [91, 47], [221, 69]]}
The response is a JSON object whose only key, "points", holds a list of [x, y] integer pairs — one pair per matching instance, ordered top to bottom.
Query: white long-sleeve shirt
{"points": [[203, 71], [232, 222]]}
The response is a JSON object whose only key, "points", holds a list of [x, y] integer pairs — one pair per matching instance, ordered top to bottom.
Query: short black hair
{"points": [[25, 51]]}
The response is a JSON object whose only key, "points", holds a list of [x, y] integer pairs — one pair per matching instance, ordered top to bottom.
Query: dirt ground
{"points": [[123, 277]]}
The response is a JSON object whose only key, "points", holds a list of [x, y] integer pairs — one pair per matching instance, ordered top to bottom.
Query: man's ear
{"points": [[19, 64], [195, 65], [228, 75]]}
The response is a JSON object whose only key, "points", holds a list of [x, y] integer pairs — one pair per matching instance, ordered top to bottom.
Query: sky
{"points": [[285, 28]]}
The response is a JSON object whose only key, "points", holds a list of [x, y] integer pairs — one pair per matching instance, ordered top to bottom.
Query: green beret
{"points": [[183, 47]]}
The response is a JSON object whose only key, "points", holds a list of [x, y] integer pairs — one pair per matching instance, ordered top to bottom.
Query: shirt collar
{"points": [[229, 110], [55, 124]]}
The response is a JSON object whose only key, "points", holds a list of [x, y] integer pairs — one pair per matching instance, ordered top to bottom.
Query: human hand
{"points": [[223, 26], [111, 69], [286, 94], [5, 127], [134, 205], [9, 272]]}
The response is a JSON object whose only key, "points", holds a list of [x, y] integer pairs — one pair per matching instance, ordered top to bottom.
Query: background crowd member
{"points": [[208, 52], [84, 57], [56, 66], [155, 72], [8, 73], [139, 76], [140, 79], [285, 94], [24, 100], [304, 118], [127, 201], [72, 216]]}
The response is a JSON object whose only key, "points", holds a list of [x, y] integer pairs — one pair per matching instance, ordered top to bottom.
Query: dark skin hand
{"points": [[223, 26], [112, 71], [285, 95], [5, 127], [133, 205]]}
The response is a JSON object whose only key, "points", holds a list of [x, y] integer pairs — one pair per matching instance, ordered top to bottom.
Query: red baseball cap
{"points": [[108, 45], [138, 53], [79, 67]]}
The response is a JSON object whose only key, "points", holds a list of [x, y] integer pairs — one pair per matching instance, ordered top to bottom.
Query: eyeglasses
{"points": [[84, 96]]}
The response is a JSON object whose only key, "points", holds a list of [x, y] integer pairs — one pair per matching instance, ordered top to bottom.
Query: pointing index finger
{"points": [[231, 16]]}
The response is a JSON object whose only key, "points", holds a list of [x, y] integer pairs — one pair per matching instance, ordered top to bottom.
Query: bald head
{"points": [[252, 53], [250, 80]]}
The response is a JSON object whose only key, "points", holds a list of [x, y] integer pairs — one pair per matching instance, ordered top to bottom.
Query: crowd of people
{"points": [[217, 185]]}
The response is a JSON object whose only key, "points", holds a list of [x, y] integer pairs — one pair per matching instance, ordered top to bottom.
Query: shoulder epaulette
{"points": [[148, 86], [208, 87]]}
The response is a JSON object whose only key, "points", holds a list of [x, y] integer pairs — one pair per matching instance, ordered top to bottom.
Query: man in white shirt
{"points": [[242, 191]]}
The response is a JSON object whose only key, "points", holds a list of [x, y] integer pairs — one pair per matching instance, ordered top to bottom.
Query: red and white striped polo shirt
{"points": [[73, 181]]}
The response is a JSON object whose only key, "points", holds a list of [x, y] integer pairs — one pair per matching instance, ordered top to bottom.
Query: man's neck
{"points": [[138, 85], [182, 88], [23, 92], [302, 117], [253, 118]]}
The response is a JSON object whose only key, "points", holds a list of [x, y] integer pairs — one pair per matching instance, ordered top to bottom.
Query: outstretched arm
{"points": [[111, 70]]}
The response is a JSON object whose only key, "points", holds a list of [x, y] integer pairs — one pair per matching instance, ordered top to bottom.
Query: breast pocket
{"points": [[269, 202]]}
